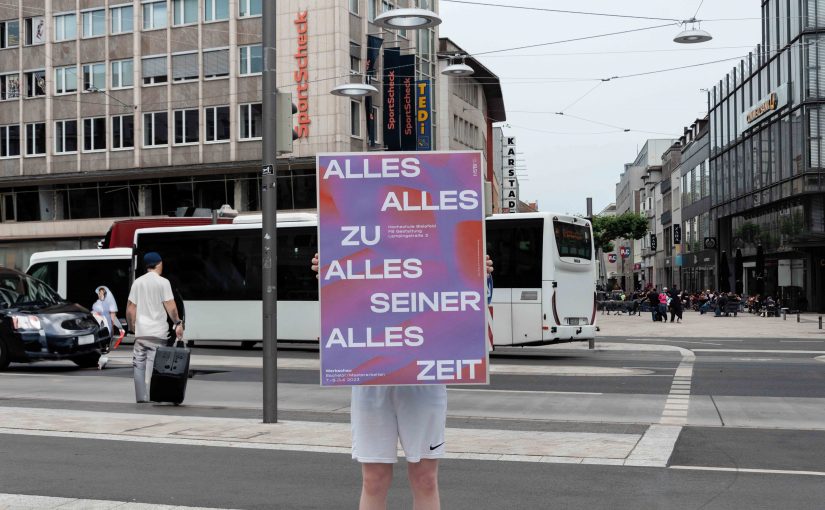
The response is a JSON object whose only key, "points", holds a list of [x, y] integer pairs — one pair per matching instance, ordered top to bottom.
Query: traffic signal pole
{"points": [[269, 208]]}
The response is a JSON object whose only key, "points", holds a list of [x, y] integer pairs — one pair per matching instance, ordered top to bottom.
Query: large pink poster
{"points": [[402, 276]]}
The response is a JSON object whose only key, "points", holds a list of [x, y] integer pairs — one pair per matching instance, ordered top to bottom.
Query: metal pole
{"points": [[269, 209]]}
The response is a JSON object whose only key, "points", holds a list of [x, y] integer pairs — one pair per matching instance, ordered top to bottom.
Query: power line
{"points": [[560, 11], [584, 38]]}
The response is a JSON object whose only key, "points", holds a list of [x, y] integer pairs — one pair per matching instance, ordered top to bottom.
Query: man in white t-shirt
{"points": [[150, 301]]}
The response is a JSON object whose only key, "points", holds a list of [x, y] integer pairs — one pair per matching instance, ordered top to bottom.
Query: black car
{"points": [[37, 324]]}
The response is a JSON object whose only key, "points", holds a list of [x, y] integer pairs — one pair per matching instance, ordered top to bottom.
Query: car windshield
{"points": [[37, 293]]}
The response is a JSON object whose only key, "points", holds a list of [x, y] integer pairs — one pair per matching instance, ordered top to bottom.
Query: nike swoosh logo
{"points": [[436, 446]]}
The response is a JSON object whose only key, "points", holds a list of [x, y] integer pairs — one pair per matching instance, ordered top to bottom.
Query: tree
{"points": [[607, 229]]}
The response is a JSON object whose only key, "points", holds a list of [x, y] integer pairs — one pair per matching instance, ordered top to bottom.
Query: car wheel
{"points": [[248, 345], [4, 355], [87, 360]]}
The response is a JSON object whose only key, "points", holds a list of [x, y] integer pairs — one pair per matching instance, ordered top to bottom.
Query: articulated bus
{"points": [[544, 277]]}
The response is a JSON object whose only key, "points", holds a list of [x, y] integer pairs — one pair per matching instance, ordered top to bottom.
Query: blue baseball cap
{"points": [[152, 259]]}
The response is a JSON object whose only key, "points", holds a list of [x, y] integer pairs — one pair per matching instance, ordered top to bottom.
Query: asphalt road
{"points": [[737, 463], [253, 479]]}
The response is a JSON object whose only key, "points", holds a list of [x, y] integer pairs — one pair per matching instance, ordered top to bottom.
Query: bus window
{"points": [[573, 240], [295, 246], [516, 249], [46, 272], [84, 276]]}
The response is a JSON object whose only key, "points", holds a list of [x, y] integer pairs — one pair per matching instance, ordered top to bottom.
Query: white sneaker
{"points": [[102, 362]]}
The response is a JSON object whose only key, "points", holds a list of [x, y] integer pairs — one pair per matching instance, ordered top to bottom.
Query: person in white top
{"points": [[150, 301]]}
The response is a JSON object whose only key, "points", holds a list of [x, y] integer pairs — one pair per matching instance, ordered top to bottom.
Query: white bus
{"points": [[544, 277]]}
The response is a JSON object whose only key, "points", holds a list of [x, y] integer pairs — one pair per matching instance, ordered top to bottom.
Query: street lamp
{"points": [[407, 18], [692, 35], [458, 69], [354, 90]]}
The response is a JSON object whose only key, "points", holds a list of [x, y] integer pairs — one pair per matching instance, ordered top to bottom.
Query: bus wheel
{"points": [[591, 344], [248, 345]]}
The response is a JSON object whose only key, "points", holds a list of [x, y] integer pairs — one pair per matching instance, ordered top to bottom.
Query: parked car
{"points": [[37, 324]]}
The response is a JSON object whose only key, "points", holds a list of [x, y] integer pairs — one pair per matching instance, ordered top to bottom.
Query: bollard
{"points": [[784, 315], [797, 316], [820, 322]]}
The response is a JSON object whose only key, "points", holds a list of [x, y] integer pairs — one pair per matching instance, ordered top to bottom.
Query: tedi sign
{"points": [[301, 75]]}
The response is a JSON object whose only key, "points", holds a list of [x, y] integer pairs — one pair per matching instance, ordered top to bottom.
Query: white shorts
{"points": [[381, 415]]}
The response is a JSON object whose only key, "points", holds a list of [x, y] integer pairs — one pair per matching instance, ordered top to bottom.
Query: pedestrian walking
{"points": [[663, 299], [653, 300], [150, 302], [675, 305], [106, 307], [382, 416]]}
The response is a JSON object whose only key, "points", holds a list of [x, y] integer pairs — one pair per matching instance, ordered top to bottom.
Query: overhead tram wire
{"points": [[559, 11]]}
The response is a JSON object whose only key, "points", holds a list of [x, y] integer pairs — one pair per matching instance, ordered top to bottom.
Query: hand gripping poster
{"points": [[402, 268]]}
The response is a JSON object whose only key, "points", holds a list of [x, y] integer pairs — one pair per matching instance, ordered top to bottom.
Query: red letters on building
{"points": [[301, 76]]}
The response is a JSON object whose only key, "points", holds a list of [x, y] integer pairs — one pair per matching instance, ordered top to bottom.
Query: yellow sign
{"points": [[762, 109]]}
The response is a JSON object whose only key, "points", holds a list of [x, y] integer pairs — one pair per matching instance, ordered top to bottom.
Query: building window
{"points": [[353, 6], [249, 8], [215, 10], [184, 12], [154, 15], [123, 19], [94, 23], [65, 27], [35, 30], [9, 34], [354, 57], [251, 61], [215, 64], [185, 67], [154, 70], [123, 74], [94, 76], [65, 80], [35, 83], [9, 86], [355, 118], [251, 121], [216, 126], [186, 127], [155, 129], [123, 132], [94, 134], [65, 136], [36, 139], [9, 141]]}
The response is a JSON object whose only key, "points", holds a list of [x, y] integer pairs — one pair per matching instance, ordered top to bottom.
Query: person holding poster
{"points": [[402, 297], [382, 416]]}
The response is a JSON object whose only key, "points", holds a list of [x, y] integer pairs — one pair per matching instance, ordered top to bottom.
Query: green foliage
{"points": [[607, 229]]}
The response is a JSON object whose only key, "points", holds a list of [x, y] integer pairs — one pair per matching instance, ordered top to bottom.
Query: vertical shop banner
{"points": [[373, 50], [406, 103], [424, 121], [392, 127], [402, 274]]}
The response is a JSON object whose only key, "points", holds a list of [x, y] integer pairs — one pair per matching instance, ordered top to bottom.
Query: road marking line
{"points": [[760, 351], [655, 446], [747, 470], [28, 501]]}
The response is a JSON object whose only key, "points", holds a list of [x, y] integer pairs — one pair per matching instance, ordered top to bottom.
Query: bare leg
{"points": [[376, 480], [424, 483]]}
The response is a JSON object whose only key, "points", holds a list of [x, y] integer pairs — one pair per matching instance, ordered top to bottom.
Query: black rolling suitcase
{"points": [[170, 374]]}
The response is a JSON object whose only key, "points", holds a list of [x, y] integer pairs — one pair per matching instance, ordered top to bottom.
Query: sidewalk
{"points": [[694, 325]]}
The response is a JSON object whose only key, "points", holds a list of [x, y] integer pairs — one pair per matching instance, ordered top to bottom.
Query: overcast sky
{"points": [[568, 159]]}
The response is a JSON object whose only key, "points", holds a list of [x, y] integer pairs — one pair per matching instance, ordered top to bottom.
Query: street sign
{"points": [[677, 234], [624, 251], [611, 257]]}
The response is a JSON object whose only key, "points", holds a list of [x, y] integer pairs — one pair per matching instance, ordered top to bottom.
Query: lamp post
{"points": [[269, 208]]}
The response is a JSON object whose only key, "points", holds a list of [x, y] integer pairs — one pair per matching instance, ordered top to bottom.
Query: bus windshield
{"points": [[573, 240]]}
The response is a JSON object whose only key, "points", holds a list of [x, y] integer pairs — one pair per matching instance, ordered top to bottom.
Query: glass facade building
{"points": [[767, 157]]}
